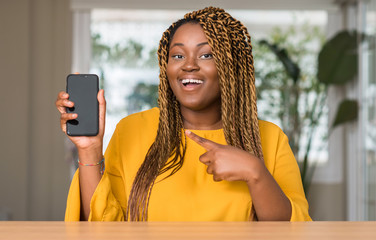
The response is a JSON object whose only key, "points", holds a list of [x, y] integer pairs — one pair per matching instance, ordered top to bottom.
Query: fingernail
{"points": [[187, 132]]}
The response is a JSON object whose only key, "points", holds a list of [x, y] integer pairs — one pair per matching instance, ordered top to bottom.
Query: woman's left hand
{"points": [[227, 162], [233, 164]]}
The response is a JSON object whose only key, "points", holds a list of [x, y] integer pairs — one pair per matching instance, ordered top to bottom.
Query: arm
{"points": [[89, 150], [232, 164], [89, 177], [270, 202]]}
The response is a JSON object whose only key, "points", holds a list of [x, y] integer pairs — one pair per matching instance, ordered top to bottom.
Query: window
{"points": [[124, 56], [368, 112]]}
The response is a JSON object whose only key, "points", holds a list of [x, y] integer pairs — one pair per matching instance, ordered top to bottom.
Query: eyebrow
{"points": [[181, 44]]}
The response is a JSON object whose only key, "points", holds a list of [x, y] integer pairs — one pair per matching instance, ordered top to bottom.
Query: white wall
{"points": [[35, 57]]}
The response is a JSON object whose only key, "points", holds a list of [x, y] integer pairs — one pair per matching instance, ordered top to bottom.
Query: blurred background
{"points": [[315, 67]]}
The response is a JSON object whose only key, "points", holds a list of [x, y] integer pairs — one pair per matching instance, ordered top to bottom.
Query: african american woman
{"points": [[203, 154]]}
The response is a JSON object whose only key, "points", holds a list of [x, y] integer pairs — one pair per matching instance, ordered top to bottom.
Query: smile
{"points": [[187, 82]]}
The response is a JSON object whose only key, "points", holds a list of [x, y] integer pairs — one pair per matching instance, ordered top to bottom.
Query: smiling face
{"points": [[191, 70]]}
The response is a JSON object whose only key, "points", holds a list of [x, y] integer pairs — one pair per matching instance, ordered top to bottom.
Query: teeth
{"points": [[186, 81]]}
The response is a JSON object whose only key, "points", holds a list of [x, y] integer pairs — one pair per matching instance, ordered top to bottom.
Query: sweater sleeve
{"points": [[287, 174], [108, 202], [103, 206], [73, 209]]}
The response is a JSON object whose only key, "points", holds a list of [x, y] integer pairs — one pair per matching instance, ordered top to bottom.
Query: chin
{"points": [[195, 107]]}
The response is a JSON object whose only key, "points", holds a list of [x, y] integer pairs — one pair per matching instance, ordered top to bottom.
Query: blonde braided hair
{"points": [[232, 51]]}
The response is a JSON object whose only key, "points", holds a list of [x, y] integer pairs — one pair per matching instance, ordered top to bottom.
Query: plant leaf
{"points": [[338, 59], [291, 68], [347, 112]]}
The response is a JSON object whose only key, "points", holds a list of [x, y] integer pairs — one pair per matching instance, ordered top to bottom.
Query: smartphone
{"points": [[83, 90]]}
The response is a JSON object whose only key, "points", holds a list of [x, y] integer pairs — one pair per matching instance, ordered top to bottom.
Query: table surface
{"points": [[187, 230]]}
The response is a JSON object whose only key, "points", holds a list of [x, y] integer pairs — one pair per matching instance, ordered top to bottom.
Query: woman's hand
{"points": [[83, 143], [89, 149], [226, 162], [233, 164]]}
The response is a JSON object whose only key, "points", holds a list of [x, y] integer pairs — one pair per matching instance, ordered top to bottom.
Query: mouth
{"points": [[191, 83]]}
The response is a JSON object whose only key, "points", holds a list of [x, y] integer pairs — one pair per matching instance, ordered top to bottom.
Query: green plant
{"points": [[128, 54], [336, 65], [291, 93], [144, 97]]}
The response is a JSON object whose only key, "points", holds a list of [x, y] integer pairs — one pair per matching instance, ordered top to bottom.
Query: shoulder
{"points": [[142, 119], [139, 125], [268, 129], [131, 140], [273, 142]]}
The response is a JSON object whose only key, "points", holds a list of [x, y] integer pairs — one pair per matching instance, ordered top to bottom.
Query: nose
{"points": [[190, 64]]}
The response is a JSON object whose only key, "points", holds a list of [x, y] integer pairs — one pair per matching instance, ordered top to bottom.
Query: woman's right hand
{"points": [[86, 145], [89, 149]]}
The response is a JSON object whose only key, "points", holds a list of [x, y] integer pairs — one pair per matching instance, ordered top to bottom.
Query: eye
{"points": [[177, 56], [206, 56]]}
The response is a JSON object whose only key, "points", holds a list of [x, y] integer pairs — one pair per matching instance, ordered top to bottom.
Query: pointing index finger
{"points": [[203, 142]]}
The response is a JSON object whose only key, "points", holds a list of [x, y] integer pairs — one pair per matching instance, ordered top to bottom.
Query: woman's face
{"points": [[191, 70]]}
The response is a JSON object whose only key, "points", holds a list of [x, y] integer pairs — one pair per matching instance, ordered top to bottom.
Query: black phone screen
{"points": [[83, 90]]}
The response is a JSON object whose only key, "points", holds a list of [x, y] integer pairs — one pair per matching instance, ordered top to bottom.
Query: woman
{"points": [[202, 155]]}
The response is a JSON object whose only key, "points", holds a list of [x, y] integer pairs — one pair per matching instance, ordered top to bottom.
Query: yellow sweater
{"points": [[190, 194]]}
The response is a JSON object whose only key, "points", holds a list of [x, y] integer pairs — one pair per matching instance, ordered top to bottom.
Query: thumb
{"points": [[102, 111], [203, 142]]}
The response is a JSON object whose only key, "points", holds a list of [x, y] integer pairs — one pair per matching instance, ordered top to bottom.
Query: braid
{"points": [[232, 52], [168, 142]]}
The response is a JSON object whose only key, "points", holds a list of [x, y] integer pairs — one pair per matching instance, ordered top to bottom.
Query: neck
{"points": [[201, 120]]}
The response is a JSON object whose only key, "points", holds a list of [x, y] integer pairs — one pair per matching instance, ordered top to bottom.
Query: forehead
{"points": [[189, 32]]}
